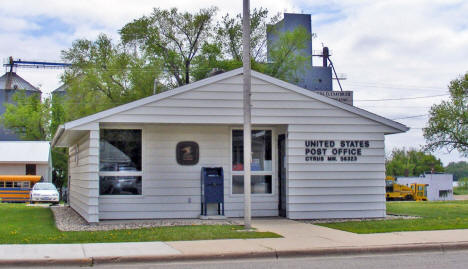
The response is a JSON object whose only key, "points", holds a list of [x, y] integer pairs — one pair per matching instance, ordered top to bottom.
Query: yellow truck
{"points": [[395, 191]]}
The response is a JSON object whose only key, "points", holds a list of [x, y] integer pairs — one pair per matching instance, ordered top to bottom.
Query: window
{"points": [[120, 150], [261, 150], [120, 162], [261, 167], [30, 169], [2, 184], [8, 184], [258, 184], [121, 185], [44, 186], [444, 193]]}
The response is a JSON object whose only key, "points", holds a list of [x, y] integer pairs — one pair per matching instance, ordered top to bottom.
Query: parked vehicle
{"points": [[16, 188], [394, 191], [45, 193]]}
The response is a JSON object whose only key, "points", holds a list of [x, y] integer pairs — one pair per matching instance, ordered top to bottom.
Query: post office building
{"points": [[174, 154]]}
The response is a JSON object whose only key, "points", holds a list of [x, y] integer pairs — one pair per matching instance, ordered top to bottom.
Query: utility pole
{"points": [[247, 112]]}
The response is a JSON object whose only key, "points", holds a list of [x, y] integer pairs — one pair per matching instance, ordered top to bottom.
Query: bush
{"points": [[463, 183]]}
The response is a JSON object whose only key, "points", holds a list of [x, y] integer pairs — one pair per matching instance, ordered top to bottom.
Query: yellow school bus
{"points": [[16, 188]]}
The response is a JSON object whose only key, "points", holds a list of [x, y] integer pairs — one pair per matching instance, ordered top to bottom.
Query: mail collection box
{"points": [[212, 189]]}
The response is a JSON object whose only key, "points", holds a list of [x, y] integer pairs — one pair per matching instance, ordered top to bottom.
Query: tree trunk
{"points": [[187, 72]]}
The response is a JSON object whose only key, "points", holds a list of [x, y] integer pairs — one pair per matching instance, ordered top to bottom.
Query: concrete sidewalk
{"points": [[299, 239]]}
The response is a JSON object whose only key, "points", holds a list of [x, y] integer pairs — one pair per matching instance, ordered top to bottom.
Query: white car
{"points": [[44, 192]]}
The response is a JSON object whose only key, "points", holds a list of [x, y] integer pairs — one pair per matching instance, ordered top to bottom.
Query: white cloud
{"points": [[86, 19], [396, 49]]}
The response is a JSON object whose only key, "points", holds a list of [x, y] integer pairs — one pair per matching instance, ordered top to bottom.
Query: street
{"points": [[426, 260]]}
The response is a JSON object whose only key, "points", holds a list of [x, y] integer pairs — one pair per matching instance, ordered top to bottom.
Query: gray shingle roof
{"points": [[17, 82], [62, 88]]}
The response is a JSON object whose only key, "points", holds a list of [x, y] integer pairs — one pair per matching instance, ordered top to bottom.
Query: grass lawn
{"points": [[460, 191], [434, 216], [21, 224]]}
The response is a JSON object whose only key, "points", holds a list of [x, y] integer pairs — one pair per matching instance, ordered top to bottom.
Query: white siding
{"points": [[221, 103], [13, 169], [20, 169], [43, 170], [84, 180], [435, 182], [336, 189], [171, 190], [313, 190]]}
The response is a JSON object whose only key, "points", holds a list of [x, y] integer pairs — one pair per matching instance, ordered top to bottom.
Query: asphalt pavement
{"points": [[426, 260]]}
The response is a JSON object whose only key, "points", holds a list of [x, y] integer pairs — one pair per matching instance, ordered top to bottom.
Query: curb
{"points": [[338, 251], [42, 262]]}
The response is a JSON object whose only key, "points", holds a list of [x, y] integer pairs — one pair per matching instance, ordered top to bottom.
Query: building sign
{"points": [[340, 96], [334, 150], [187, 153]]}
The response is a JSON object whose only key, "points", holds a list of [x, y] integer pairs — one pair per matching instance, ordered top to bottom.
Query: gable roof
{"points": [[223, 76], [24, 151]]}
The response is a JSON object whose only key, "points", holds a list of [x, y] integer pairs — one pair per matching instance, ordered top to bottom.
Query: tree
{"points": [[229, 33], [172, 36], [190, 50], [286, 56], [211, 58], [103, 75], [27, 117], [37, 120], [447, 127], [59, 155], [411, 163], [458, 169]]}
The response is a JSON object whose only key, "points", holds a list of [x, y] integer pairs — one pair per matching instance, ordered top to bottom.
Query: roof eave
{"points": [[58, 135]]}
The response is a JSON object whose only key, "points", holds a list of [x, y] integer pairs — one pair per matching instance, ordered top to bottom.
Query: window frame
{"points": [[31, 167], [122, 173], [271, 173]]}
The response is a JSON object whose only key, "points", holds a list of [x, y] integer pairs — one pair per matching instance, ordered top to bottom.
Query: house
{"points": [[312, 157], [26, 158], [439, 185]]}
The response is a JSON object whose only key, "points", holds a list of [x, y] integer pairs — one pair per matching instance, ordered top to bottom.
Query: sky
{"points": [[387, 49]]}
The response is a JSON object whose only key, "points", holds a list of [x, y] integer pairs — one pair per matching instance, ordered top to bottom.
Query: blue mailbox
{"points": [[212, 188]]}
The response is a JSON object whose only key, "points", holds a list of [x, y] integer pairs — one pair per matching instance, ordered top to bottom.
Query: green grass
{"points": [[460, 191], [434, 216], [21, 224]]}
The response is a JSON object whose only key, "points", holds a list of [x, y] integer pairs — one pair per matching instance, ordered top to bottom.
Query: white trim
{"points": [[203, 82], [122, 173], [256, 173]]}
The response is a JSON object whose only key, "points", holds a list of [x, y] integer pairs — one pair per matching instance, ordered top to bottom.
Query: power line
{"points": [[391, 84], [398, 87], [398, 99], [385, 106], [410, 117]]}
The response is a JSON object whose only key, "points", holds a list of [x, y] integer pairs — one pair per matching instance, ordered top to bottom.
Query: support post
{"points": [[247, 112]]}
